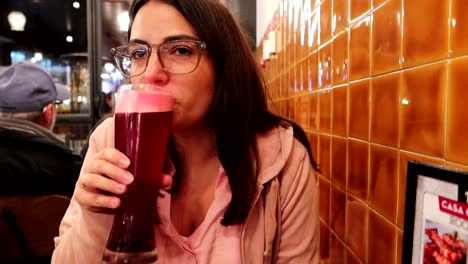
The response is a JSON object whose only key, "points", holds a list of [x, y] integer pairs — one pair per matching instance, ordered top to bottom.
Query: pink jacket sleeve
{"points": [[300, 224], [83, 234]]}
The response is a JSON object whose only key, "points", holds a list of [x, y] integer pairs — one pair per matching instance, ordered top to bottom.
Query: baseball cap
{"points": [[27, 87]]}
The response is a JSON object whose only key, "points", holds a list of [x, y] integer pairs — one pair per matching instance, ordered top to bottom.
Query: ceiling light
{"points": [[76, 5], [17, 20], [123, 21], [69, 39], [109, 67]]}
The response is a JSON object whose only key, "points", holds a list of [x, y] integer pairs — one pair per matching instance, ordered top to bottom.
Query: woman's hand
{"points": [[104, 178]]}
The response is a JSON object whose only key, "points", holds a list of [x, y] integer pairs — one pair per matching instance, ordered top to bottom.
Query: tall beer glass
{"points": [[143, 120]]}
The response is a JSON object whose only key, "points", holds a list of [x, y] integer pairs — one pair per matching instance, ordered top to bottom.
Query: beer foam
{"points": [[131, 101]]}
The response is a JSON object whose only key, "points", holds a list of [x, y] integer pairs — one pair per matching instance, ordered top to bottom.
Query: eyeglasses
{"points": [[176, 56]]}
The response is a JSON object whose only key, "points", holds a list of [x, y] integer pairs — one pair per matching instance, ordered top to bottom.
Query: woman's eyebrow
{"points": [[179, 37]]}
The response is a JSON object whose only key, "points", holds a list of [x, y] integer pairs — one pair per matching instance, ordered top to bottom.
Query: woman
{"points": [[243, 191]]}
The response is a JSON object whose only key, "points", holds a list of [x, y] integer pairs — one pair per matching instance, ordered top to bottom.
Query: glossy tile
{"points": [[359, 7], [340, 16], [325, 21], [459, 28], [386, 37], [422, 42], [359, 50], [340, 58], [324, 67], [313, 70], [291, 108], [422, 108], [359, 109], [384, 109], [304, 111], [325, 111], [340, 111], [313, 112], [313, 140], [457, 145], [324, 155], [404, 158], [358, 160], [338, 162], [456, 166], [383, 181], [324, 199], [338, 212], [356, 227], [382, 239], [324, 241], [399, 246], [337, 250], [351, 259]]}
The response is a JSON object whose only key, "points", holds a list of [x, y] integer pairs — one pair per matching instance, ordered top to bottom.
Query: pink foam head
{"points": [[143, 101]]}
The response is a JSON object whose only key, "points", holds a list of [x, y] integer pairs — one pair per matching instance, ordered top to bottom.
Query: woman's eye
{"points": [[181, 50], [138, 53]]}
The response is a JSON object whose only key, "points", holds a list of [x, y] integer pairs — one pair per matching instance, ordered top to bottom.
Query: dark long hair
{"points": [[238, 111]]}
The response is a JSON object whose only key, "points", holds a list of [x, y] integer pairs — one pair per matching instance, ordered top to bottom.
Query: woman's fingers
{"points": [[93, 182], [166, 182], [90, 199]]}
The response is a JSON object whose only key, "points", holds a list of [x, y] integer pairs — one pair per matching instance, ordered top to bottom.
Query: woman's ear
{"points": [[47, 118]]}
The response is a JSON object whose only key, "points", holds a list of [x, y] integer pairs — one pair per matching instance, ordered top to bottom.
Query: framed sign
{"points": [[436, 215]]}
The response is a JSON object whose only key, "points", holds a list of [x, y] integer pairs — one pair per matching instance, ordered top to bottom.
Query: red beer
{"points": [[143, 121]]}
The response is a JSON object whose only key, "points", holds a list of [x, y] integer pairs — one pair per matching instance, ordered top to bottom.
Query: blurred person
{"points": [[33, 160], [241, 186]]}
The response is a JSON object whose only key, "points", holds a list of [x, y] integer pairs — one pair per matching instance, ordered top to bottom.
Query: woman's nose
{"points": [[155, 72]]}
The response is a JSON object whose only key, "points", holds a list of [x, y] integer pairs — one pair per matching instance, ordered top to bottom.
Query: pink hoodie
{"points": [[282, 227]]}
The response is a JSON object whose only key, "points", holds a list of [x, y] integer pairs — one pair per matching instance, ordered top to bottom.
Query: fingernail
{"points": [[124, 162], [127, 177], [121, 188], [114, 202]]}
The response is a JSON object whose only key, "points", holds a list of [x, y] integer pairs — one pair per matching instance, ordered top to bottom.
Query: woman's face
{"points": [[156, 23]]}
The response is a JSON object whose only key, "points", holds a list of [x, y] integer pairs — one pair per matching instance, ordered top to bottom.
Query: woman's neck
{"points": [[199, 158]]}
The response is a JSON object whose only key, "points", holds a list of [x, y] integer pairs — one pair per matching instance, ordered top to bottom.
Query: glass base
{"points": [[111, 257]]}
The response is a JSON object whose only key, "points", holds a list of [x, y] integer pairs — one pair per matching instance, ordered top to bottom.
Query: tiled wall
{"points": [[375, 84]]}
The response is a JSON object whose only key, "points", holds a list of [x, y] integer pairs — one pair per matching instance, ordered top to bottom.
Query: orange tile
{"points": [[377, 3], [359, 7], [340, 16], [325, 21], [313, 28], [459, 28], [425, 31], [386, 37], [359, 50], [340, 58], [324, 67], [313, 70], [307, 75], [384, 107], [291, 108], [359, 109], [423, 109], [325, 111], [340, 111], [313, 112], [303, 118], [313, 139], [457, 145], [358, 153], [324, 155], [404, 158], [338, 162], [457, 166], [383, 183], [324, 199], [338, 211], [356, 227], [382, 240], [324, 241], [399, 246], [337, 250], [351, 259]]}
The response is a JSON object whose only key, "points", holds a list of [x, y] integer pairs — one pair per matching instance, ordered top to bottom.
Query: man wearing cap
{"points": [[33, 161]]}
